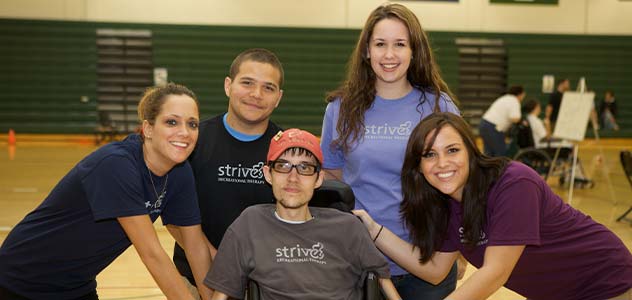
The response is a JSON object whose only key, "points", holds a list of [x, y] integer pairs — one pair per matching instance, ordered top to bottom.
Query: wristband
{"points": [[378, 233]]}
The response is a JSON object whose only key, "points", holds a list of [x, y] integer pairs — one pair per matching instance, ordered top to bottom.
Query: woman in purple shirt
{"points": [[503, 218]]}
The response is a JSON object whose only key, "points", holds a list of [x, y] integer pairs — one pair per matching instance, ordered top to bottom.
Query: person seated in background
{"points": [[608, 112], [498, 119], [541, 134], [542, 139], [294, 251]]}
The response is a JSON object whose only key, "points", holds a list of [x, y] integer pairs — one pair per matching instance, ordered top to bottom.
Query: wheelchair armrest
{"points": [[372, 287], [252, 293]]}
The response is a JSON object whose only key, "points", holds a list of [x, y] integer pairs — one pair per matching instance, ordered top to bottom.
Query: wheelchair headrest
{"points": [[334, 194]]}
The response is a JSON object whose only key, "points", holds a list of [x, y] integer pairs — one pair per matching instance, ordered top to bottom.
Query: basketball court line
{"points": [[25, 190]]}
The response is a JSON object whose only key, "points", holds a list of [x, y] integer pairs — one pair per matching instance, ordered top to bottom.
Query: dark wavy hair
{"points": [[357, 92], [425, 209]]}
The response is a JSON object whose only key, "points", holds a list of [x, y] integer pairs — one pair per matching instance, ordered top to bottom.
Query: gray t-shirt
{"points": [[324, 258]]}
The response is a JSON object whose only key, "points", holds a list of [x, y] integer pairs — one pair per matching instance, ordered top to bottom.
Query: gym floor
{"points": [[30, 170]]}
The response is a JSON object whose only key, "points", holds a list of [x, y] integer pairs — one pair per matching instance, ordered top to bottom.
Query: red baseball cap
{"points": [[294, 137]]}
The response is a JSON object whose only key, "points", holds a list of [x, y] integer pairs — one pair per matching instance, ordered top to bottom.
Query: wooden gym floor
{"points": [[29, 171]]}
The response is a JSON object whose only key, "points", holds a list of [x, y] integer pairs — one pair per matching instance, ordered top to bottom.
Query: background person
{"points": [[392, 83], [555, 101], [532, 108], [608, 111], [497, 120], [541, 136], [231, 151], [108, 202], [503, 218], [294, 251]]}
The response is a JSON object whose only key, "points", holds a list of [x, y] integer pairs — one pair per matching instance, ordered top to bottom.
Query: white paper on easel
{"points": [[572, 119]]}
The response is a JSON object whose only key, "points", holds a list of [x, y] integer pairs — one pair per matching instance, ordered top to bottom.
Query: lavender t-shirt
{"points": [[374, 164], [567, 255]]}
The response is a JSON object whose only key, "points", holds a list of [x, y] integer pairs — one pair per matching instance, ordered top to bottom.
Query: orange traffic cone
{"points": [[11, 137]]}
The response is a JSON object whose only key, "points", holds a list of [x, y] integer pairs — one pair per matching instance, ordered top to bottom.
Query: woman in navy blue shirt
{"points": [[108, 202]]}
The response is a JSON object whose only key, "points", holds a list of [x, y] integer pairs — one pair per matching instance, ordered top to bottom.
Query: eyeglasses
{"points": [[305, 169]]}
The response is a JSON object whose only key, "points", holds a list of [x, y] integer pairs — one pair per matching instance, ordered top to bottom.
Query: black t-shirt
{"points": [[555, 100], [229, 178]]}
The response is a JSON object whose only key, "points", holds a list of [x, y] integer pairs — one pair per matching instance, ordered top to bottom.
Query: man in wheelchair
{"points": [[537, 147], [291, 250]]}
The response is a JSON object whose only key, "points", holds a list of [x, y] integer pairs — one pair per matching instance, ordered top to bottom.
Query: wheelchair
{"points": [[526, 153], [541, 159], [338, 195], [371, 289]]}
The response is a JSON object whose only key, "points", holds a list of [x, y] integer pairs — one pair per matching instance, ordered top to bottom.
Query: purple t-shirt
{"points": [[567, 255]]}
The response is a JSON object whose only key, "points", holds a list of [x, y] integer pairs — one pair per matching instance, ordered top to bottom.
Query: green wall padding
{"points": [[47, 66]]}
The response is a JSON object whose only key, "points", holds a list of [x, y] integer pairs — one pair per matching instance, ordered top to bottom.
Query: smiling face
{"points": [[390, 52], [253, 94], [172, 137], [446, 164], [293, 191]]}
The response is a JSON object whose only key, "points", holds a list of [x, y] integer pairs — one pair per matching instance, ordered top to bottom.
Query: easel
{"points": [[576, 108], [595, 125]]}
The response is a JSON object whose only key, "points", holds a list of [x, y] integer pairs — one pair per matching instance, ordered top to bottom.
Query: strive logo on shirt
{"points": [[387, 131], [241, 174], [155, 208], [482, 241], [298, 254]]}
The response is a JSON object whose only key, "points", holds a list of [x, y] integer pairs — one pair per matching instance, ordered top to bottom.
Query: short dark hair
{"points": [[259, 55], [560, 81], [515, 90], [610, 92], [530, 105], [296, 151]]}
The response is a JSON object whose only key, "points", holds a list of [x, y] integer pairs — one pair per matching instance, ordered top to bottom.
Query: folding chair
{"points": [[106, 130], [626, 163]]}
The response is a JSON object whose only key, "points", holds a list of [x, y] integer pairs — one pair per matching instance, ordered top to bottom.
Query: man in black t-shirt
{"points": [[555, 100], [231, 150]]}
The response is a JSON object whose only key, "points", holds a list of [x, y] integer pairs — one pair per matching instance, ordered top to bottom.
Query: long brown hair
{"points": [[357, 92], [425, 209]]}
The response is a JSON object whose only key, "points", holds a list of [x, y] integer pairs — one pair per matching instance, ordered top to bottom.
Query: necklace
{"points": [[159, 198]]}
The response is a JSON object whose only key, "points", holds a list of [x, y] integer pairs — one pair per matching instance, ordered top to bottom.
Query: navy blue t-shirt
{"points": [[58, 249]]}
